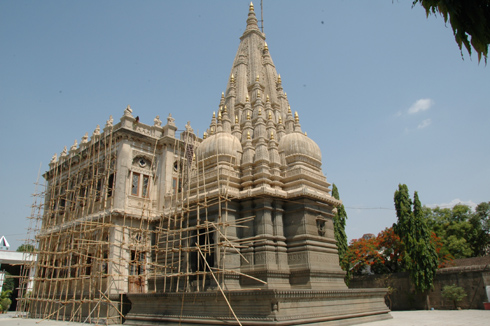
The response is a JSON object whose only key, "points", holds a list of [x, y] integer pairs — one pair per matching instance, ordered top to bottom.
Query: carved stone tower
{"points": [[272, 253]]}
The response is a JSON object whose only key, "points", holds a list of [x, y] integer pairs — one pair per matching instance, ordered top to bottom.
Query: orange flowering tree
{"points": [[380, 254], [384, 254]]}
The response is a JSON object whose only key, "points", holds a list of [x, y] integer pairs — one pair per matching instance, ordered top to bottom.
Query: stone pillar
{"points": [[124, 161], [312, 253], [118, 259], [230, 260]]}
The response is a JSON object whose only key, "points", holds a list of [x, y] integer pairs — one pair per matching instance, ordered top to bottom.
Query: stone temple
{"points": [[150, 225]]}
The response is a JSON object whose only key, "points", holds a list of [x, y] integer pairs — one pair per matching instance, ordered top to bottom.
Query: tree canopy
{"points": [[469, 19], [339, 221], [464, 233], [25, 247], [420, 257]]}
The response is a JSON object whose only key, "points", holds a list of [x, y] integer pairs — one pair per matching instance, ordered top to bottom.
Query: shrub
{"points": [[454, 293]]}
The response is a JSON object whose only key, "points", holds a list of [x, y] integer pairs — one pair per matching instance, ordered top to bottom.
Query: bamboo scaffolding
{"points": [[89, 255]]}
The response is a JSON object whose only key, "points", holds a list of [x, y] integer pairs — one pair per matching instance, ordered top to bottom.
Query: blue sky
{"points": [[381, 89]]}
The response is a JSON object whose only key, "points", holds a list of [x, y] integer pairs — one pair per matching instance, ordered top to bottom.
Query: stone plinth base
{"points": [[259, 307]]}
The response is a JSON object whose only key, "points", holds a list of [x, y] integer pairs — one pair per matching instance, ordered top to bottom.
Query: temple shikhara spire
{"points": [[157, 225]]}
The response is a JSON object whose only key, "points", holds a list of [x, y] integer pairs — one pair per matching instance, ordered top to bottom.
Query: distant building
{"points": [[192, 230], [4, 245], [13, 263]]}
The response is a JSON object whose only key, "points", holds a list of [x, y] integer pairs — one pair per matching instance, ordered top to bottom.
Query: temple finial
{"points": [[251, 7], [266, 48], [232, 78], [257, 79], [279, 81], [222, 95], [247, 99], [267, 99], [224, 109], [289, 109], [260, 111], [214, 114], [248, 115], [270, 115], [296, 116], [236, 119], [248, 134], [272, 135]]}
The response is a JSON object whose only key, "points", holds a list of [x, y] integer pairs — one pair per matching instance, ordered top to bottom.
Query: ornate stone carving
{"points": [[128, 112], [170, 120], [109, 122], [157, 122], [74, 146], [320, 224]]}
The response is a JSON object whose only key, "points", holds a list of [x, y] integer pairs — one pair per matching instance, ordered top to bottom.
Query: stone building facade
{"points": [[232, 228]]}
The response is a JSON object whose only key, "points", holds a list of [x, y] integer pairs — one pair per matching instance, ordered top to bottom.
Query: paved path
{"points": [[400, 318]]}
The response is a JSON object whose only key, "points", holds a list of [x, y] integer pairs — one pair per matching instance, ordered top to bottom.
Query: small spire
{"points": [[251, 8], [266, 48], [232, 78], [257, 79], [279, 81], [258, 94], [286, 94], [222, 95], [247, 99], [268, 99], [224, 109], [289, 109], [260, 111], [214, 115], [219, 115], [248, 115], [270, 115], [296, 116], [236, 119], [280, 120], [248, 134], [306, 134], [205, 135], [272, 135], [74, 146], [64, 152]]}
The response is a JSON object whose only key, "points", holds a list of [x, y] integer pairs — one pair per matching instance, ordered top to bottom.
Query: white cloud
{"points": [[421, 105], [424, 124], [454, 202]]}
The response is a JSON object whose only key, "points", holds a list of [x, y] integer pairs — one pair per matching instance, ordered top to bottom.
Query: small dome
{"points": [[221, 143], [297, 144]]}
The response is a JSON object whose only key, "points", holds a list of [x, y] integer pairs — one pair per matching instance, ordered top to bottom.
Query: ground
{"points": [[400, 318]]}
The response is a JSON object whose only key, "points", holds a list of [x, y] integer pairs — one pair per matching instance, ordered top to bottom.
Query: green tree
{"points": [[467, 18], [482, 218], [339, 221], [464, 233], [25, 247], [423, 255], [420, 257], [8, 282], [454, 293], [5, 301]]}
